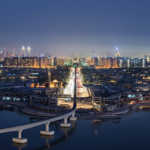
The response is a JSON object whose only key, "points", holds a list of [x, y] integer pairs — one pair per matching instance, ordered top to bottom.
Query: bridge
{"points": [[64, 116]]}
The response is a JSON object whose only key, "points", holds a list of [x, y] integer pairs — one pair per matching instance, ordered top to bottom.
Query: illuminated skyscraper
{"points": [[23, 51], [28, 51], [12, 52], [117, 52], [93, 54]]}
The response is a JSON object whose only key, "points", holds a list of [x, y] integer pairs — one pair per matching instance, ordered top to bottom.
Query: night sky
{"points": [[66, 27]]}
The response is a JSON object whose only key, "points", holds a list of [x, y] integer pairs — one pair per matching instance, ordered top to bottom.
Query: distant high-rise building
{"points": [[23, 51], [28, 51], [12, 52], [117, 52], [4, 53], [8, 54], [93, 54], [1, 56], [76, 56], [148, 58], [55, 60], [88, 60], [145, 60], [60, 61], [82, 61], [96, 61], [21, 62]]}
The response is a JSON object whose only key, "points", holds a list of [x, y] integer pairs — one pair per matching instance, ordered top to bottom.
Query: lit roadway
{"points": [[70, 87], [81, 91]]}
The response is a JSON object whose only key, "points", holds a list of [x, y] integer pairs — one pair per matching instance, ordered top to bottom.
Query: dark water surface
{"points": [[132, 132]]}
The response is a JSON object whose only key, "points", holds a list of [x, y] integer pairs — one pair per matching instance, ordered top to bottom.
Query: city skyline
{"points": [[63, 28], [27, 52], [74, 74]]}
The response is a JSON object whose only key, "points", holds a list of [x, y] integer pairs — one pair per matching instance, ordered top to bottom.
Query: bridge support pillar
{"points": [[73, 118], [65, 124], [47, 132], [19, 139]]}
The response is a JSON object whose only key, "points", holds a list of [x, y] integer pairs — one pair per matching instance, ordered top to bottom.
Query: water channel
{"points": [[131, 132]]}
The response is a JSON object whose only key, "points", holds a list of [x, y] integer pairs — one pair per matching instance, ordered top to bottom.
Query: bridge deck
{"points": [[59, 117]]}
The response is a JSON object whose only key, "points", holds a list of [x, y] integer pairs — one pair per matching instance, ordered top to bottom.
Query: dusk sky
{"points": [[66, 27]]}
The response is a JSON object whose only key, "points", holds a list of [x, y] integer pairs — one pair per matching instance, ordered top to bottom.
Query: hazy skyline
{"points": [[68, 27]]}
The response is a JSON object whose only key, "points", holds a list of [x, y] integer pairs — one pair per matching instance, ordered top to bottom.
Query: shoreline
{"points": [[108, 115]]}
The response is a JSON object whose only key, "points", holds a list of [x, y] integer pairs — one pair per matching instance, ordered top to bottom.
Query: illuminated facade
{"points": [[88, 60], [60, 61], [92, 61], [21, 62], [44, 62], [105, 62], [109, 62], [127, 62], [115, 63]]}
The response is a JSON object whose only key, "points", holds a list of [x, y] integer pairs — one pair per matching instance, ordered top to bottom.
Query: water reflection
{"points": [[102, 129], [46, 137], [20, 146]]}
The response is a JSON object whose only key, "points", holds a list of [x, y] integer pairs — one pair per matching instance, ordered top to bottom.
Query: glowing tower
{"points": [[23, 51], [28, 51], [117, 52]]}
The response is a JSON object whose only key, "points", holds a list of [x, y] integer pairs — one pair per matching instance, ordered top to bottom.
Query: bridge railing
{"points": [[55, 118], [31, 125]]}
